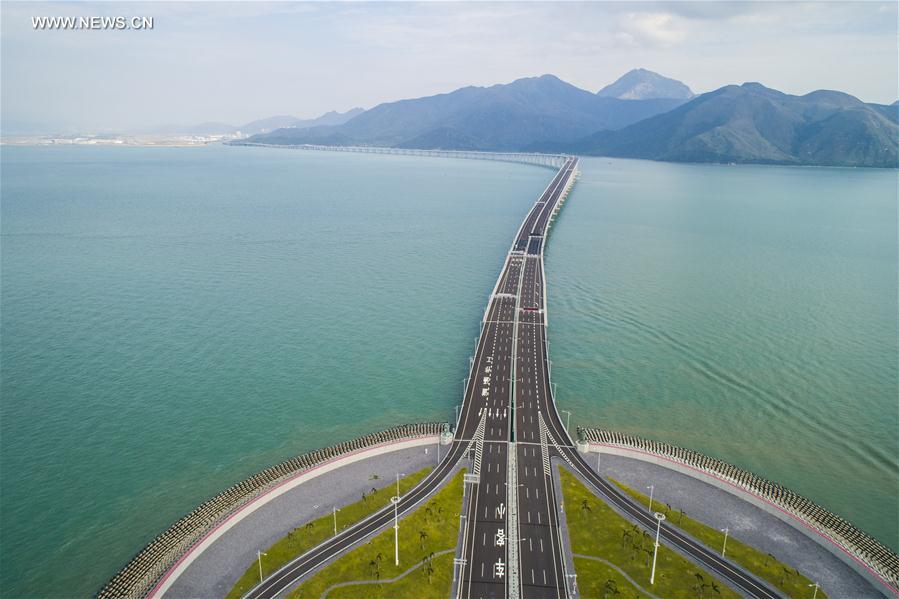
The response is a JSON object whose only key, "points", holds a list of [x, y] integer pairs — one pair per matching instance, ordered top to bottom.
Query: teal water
{"points": [[747, 312], [175, 319]]}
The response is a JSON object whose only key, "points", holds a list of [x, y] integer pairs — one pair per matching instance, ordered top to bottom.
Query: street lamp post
{"points": [[567, 420], [398, 474], [652, 490], [334, 511], [659, 517], [396, 529], [725, 530], [259, 555], [457, 562], [573, 578], [815, 594]]}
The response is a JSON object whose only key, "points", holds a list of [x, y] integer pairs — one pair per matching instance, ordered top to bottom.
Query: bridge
{"points": [[553, 161], [510, 430]]}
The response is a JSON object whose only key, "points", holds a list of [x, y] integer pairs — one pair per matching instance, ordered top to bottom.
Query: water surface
{"points": [[747, 312], [175, 319]]}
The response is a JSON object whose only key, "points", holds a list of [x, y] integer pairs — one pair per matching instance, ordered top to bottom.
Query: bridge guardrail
{"points": [[868, 551], [140, 574]]}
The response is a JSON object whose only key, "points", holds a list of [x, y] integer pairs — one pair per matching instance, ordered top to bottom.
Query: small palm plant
{"points": [[429, 570], [700, 584]]}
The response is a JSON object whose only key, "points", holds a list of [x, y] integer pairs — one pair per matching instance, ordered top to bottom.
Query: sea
{"points": [[173, 320]]}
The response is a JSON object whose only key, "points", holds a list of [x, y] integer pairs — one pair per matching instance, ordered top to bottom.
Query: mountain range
{"points": [[641, 115], [512, 116], [751, 123]]}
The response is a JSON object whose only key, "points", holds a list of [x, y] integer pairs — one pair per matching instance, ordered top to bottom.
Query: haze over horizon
{"points": [[233, 63]]}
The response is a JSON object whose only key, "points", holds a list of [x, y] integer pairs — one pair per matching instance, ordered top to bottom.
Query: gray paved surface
{"points": [[752, 525], [216, 570]]}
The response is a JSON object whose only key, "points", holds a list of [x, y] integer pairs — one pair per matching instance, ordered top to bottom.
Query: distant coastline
{"points": [[173, 141]]}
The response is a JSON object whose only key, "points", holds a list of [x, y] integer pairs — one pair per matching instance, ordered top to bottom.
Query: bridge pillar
{"points": [[446, 438], [582, 446]]}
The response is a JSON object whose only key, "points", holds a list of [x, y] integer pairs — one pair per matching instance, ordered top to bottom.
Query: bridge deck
{"points": [[512, 403]]}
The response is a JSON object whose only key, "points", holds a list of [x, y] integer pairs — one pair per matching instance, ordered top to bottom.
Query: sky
{"points": [[236, 62]]}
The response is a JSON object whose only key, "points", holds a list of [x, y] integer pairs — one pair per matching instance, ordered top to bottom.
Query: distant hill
{"points": [[641, 84], [512, 116], [278, 122], [754, 124], [258, 126], [209, 128]]}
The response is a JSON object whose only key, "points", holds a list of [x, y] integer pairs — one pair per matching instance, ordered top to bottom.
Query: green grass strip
{"points": [[432, 528], [597, 530], [305, 537], [766, 566], [595, 579], [408, 586]]}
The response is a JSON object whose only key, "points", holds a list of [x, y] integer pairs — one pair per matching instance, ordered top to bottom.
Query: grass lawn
{"points": [[432, 528], [595, 529], [302, 539], [765, 566], [595, 579], [415, 584]]}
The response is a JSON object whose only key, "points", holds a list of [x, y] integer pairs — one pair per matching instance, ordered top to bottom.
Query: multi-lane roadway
{"points": [[511, 544]]}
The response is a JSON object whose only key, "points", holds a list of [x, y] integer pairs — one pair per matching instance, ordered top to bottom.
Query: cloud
{"points": [[449, 26], [653, 28]]}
